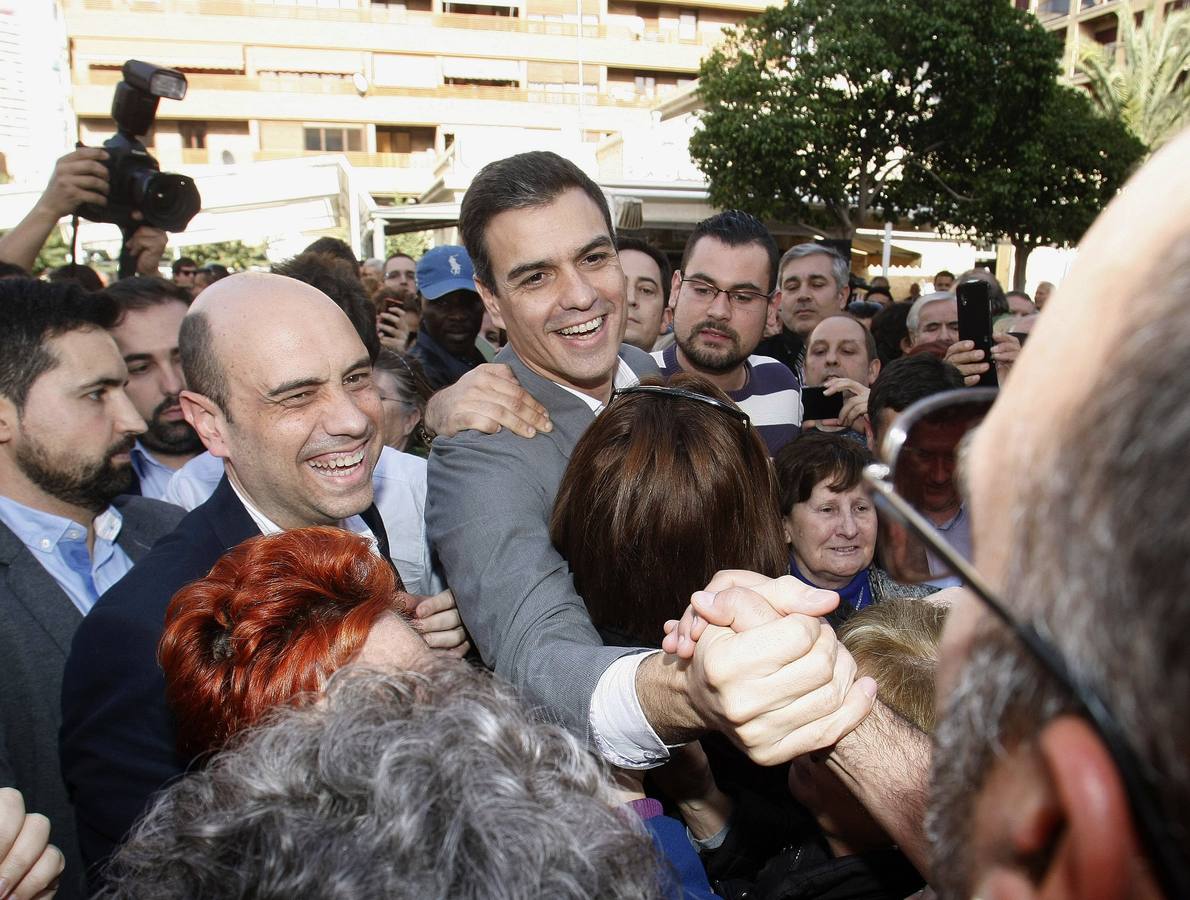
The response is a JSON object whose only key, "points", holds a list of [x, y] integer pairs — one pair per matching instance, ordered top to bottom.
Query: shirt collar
{"points": [[624, 377], [263, 522], [43, 531]]}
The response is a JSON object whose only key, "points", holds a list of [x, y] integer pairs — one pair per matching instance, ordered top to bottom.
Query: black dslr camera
{"points": [[137, 184]]}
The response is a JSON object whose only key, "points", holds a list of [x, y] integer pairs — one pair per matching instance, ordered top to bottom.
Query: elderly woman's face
{"points": [[833, 535]]}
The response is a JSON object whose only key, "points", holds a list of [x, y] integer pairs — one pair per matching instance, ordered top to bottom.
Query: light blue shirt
{"points": [[154, 477], [399, 480], [56, 541]]}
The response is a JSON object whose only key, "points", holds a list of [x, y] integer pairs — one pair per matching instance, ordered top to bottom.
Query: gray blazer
{"points": [[488, 505], [37, 624]]}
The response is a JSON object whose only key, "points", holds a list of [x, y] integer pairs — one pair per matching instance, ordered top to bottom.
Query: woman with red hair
{"points": [[275, 617]]}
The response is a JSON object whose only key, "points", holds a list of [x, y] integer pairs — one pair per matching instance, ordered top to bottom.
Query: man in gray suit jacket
{"points": [[539, 233], [66, 428]]}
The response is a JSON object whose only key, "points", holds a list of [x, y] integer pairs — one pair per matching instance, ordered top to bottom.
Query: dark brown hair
{"points": [[813, 456], [661, 493]]}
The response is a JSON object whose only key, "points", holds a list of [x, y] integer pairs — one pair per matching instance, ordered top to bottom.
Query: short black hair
{"points": [[523, 181], [735, 228], [631, 243], [334, 247], [182, 261], [11, 270], [214, 271], [945, 272], [76, 273], [339, 280], [142, 293], [33, 312], [889, 328], [200, 364], [906, 380]]}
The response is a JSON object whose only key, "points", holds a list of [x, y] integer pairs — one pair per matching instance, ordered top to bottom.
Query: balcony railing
{"points": [[383, 15], [344, 87], [365, 160]]}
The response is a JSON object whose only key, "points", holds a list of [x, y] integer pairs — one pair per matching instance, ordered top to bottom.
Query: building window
{"points": [[478, 9], [194, 135], [333, 139], [403, 139]]}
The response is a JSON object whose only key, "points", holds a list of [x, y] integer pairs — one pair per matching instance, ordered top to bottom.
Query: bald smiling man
{"points": [[280, 389]]}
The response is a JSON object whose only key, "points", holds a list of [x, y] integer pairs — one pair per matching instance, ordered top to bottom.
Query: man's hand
{"points": [[79, 177], [147, 246], [390, 327], [970, 362], [486, 399], [854, 414], [785, 595], [438, 620], [764, 669], [779, 689], [29, 863]]}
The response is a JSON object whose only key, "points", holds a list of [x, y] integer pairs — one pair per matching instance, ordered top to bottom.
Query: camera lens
{"points": [[166, 200]]}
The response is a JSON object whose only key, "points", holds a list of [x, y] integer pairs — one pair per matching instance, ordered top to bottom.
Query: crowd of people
{"points": [[545, 565]]}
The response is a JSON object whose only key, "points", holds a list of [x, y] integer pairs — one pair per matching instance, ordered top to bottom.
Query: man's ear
{"points": [[675, 285], [491, 303], [907, 343], [873, 371], [206, 418], [10, 420], [1070, 833]]}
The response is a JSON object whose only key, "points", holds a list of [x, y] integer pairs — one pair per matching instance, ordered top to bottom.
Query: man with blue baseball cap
{"points": [[452, 316]]}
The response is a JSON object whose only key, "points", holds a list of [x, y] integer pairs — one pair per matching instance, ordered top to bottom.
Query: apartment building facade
{"points": [[402, 89]]}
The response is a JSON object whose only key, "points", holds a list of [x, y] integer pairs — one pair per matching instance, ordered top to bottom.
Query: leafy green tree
{"points": [[1149, 88], [816, 111], [1060, 177], [412, 243], [53, 253], [236, 255]]}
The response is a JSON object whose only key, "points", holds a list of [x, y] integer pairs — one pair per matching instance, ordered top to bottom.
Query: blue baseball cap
{"points": [[445, 269]]}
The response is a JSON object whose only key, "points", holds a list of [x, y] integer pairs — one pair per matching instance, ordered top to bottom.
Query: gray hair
{"points": [[840, 270], [914, 317], [1101, 563], [406, 785]]}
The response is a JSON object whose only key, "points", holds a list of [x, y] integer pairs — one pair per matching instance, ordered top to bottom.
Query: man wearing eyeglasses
{"points": [[540, 237], [400, 274], [721, 298], [1060, 753]]}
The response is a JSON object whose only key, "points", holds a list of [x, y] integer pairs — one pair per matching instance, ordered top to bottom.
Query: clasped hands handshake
{"points": [[761, 666]]}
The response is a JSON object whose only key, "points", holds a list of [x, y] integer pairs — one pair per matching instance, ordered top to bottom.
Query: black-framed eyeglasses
{"points": [[705, 292], [682, 394], [966, 407]]}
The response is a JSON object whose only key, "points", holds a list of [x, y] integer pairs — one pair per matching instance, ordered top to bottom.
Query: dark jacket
{"points": [[785, 347], [442, 368], [37, 622], [117, 733]]}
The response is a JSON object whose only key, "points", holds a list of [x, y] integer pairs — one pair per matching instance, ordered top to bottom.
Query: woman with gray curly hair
{"points": [[398, 785]]}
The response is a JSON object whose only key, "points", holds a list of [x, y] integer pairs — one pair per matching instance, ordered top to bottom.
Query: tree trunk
{"points": [[1020, 258]]}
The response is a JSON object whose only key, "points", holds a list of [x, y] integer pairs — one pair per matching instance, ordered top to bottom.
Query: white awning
{"points": [[172, 54], [302, 59], [481, 69]]}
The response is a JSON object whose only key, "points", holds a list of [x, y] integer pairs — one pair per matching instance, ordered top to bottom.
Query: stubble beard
{"points": [[709, 359], [170, 438]]}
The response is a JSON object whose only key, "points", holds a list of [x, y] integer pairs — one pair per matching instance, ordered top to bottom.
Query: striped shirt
{"points": [[770, 396]]}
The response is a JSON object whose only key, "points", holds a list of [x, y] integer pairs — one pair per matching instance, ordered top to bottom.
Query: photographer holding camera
{"points": [[79, 177], [120, 183]]}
